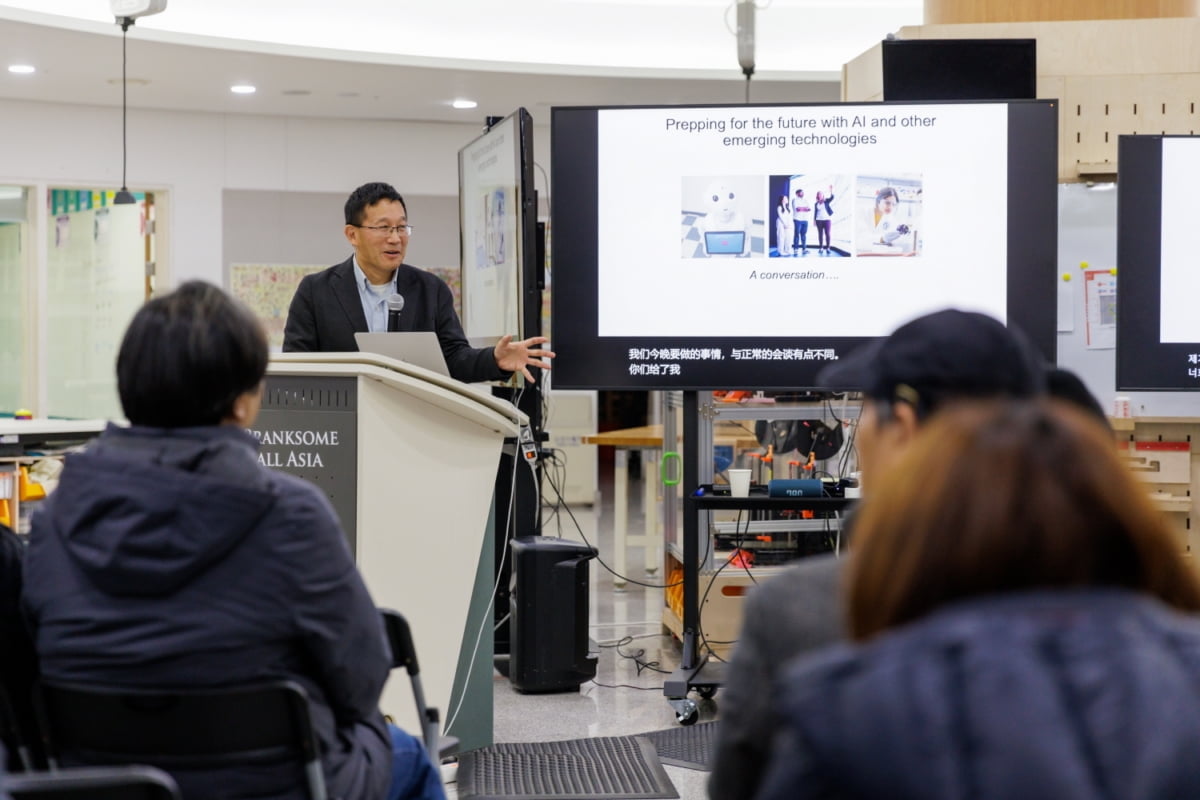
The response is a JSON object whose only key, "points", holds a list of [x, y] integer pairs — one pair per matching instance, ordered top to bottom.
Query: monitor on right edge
{"points": [[1158, 272]]}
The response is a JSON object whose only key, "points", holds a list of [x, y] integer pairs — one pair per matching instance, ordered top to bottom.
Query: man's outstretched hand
{"points": [[513, 356]]}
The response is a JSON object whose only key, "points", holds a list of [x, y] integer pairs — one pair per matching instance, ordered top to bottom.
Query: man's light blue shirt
{"points": [[374, 299]]}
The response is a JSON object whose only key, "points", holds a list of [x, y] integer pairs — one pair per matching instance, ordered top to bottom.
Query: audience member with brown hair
{"points": [[1024, 628]]}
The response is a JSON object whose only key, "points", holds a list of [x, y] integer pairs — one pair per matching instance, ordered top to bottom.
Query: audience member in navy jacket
{"points": [[169, 557], [1024, 623]]}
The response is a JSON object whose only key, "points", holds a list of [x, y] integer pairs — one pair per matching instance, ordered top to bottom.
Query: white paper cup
{"points": [[739, 483]]}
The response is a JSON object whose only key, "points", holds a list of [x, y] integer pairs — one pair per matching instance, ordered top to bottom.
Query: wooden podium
{"points": [[408, 459]]}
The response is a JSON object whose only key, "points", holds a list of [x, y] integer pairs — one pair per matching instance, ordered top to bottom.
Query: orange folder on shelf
{"points": [[27, 489]]}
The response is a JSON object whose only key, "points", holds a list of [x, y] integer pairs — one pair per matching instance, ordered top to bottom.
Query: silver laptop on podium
{"points": [[420, 348]]}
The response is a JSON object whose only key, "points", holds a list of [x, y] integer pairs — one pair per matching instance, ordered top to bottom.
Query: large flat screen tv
{"points": [[497, 233], [678, 265], [1158, 327]]}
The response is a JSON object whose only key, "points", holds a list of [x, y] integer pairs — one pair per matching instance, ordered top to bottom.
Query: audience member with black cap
{"points": [[936, 361]]}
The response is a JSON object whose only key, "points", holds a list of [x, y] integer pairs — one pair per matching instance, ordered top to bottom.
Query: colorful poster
{"points": [[268, 290], [1100, 308]]}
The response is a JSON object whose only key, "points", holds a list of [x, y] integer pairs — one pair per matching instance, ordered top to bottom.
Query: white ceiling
{"points": [[398, 59]]}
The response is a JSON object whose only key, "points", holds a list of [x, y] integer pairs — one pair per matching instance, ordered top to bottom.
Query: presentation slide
{"points": [[489, 213], [799, 221], [734, 246], [1179, 323]]}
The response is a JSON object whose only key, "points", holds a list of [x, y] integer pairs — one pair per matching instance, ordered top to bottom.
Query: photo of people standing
{"points": [[804, 205]]}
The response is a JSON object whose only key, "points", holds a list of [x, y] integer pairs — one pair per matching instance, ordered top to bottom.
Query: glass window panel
{"points": [[96, 276], [14, 312]]}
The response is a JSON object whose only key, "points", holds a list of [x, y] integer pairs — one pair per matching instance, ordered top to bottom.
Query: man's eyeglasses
{"points": [[388, 230]]}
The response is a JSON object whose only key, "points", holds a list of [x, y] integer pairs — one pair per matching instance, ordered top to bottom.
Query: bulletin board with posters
{"points": [[268, 289]]}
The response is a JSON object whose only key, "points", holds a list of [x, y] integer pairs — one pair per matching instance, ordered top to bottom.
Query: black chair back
{"points": [[399, 636], [404, 654], [182, 729], [12, 734], [94, 783]]}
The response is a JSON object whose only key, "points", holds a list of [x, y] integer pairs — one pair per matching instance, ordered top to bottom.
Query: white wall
{"points": [[195, 156]]}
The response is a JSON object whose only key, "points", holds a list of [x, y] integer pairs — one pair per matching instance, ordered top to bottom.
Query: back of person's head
{"points": [[368, 195], [187, 356], [940, 358], [1068, 387], [998, 497]]}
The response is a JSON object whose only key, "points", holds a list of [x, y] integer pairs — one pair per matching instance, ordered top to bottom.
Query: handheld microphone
{"points": [[395, 304]]}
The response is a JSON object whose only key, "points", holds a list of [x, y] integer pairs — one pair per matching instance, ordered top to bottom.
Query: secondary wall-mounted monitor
{"points": [[959, 69], [498, 225], [732, 247], [1158, 327]]}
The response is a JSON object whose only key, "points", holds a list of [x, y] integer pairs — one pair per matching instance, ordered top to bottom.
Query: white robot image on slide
{"points": [[723, 227]]}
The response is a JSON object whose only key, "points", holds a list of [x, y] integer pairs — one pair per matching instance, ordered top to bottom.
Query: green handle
{"points": [[667, 457]]}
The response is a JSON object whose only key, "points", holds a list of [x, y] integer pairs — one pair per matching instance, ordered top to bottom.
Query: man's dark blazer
{"points": [[327, 311]]}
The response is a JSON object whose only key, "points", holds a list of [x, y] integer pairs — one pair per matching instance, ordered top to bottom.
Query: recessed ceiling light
{"points": [[22, 69], [242, 88], [297, 92], [464, 104]]}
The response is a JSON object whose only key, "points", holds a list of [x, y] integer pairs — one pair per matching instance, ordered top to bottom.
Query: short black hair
{"points": [[368, 195], [187, 356]]}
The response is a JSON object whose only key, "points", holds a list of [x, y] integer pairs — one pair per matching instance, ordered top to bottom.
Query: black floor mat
{"points": [[688, 746], [603, 767]]}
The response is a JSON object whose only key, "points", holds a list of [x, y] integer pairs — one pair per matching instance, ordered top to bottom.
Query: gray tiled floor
{"points": [[596, 709]]}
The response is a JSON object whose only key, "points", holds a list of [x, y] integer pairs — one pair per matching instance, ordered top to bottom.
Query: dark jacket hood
{"points": [[144, 510]]}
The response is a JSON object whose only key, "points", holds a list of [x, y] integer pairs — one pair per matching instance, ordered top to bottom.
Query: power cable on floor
{"points": [[636, 658], [626, 686]]}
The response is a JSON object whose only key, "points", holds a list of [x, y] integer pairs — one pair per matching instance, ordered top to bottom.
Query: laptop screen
{"points": [[723, 242], [414, 347]]}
